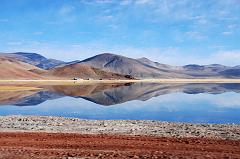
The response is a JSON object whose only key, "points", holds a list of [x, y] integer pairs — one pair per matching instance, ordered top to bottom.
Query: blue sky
{"points": [[168, 31]]}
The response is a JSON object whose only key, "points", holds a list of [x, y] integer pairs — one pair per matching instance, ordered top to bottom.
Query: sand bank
{"points": [[75, 82]]}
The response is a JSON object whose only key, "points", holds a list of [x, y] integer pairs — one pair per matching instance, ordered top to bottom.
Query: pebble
{"points": [[134, 127]]}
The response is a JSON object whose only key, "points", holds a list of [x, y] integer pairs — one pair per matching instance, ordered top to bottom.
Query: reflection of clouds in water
{"points": [[147, 96], [167, 96], [230, 100], [177, 101], [169, 102], [180, 107]]}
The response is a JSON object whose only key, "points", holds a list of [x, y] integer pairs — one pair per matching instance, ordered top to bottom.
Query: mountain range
{"points": [[21, 65]]}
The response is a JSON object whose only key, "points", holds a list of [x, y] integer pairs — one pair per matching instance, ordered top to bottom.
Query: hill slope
{"points": [[33, 59], [107, 66], [129, 66], [145, 68], [13, 69], [82, 71]]}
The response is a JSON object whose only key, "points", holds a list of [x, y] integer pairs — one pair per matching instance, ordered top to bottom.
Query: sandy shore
{"points": [[71, 82], [18, 88], [57, 137]]}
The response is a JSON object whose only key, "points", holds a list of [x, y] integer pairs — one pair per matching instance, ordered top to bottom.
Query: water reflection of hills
{"points": [[111, 94]]}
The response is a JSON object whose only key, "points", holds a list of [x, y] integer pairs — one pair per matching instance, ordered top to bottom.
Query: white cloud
{"points": [[104, 1], [96, 2], [125, 2], [143, 2], [66, 9], [202, 12], [66, 14], [106, 17], [199, 20], [232, 26], [226, 33], [195, 35], [218, 47], [167, 55], [231, 57]]}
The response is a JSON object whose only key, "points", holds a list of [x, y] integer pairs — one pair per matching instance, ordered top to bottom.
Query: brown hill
{"points": [[33, 59], [105, 66], [11, 68], [139, 68], [14, 69], [82, 71]]}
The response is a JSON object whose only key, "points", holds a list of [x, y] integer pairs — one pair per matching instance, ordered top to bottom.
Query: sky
{"points": [[175, 32]]}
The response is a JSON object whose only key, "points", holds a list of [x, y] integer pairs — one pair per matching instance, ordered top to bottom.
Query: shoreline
{"points": [[71, 82], [18, 88], [52, 124], [58, 137]]}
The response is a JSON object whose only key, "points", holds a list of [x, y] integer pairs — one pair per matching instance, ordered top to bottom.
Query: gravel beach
{"points": [[120, 127], [58, 137]]}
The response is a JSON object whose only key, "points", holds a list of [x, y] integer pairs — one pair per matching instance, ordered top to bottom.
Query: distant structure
{"points": [[129, 77], [75, 79]]}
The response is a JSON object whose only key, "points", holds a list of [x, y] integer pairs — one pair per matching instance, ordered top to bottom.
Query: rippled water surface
{"points": [[195, 103]]}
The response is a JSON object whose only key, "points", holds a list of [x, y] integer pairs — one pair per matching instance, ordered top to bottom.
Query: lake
{"points": [[194, 103]]}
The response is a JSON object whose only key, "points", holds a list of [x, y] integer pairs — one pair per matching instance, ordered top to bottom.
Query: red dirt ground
{"points": [[59, 145]]}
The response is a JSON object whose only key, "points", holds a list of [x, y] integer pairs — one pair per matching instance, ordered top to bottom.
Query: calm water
{"points": [[195, 103]]}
